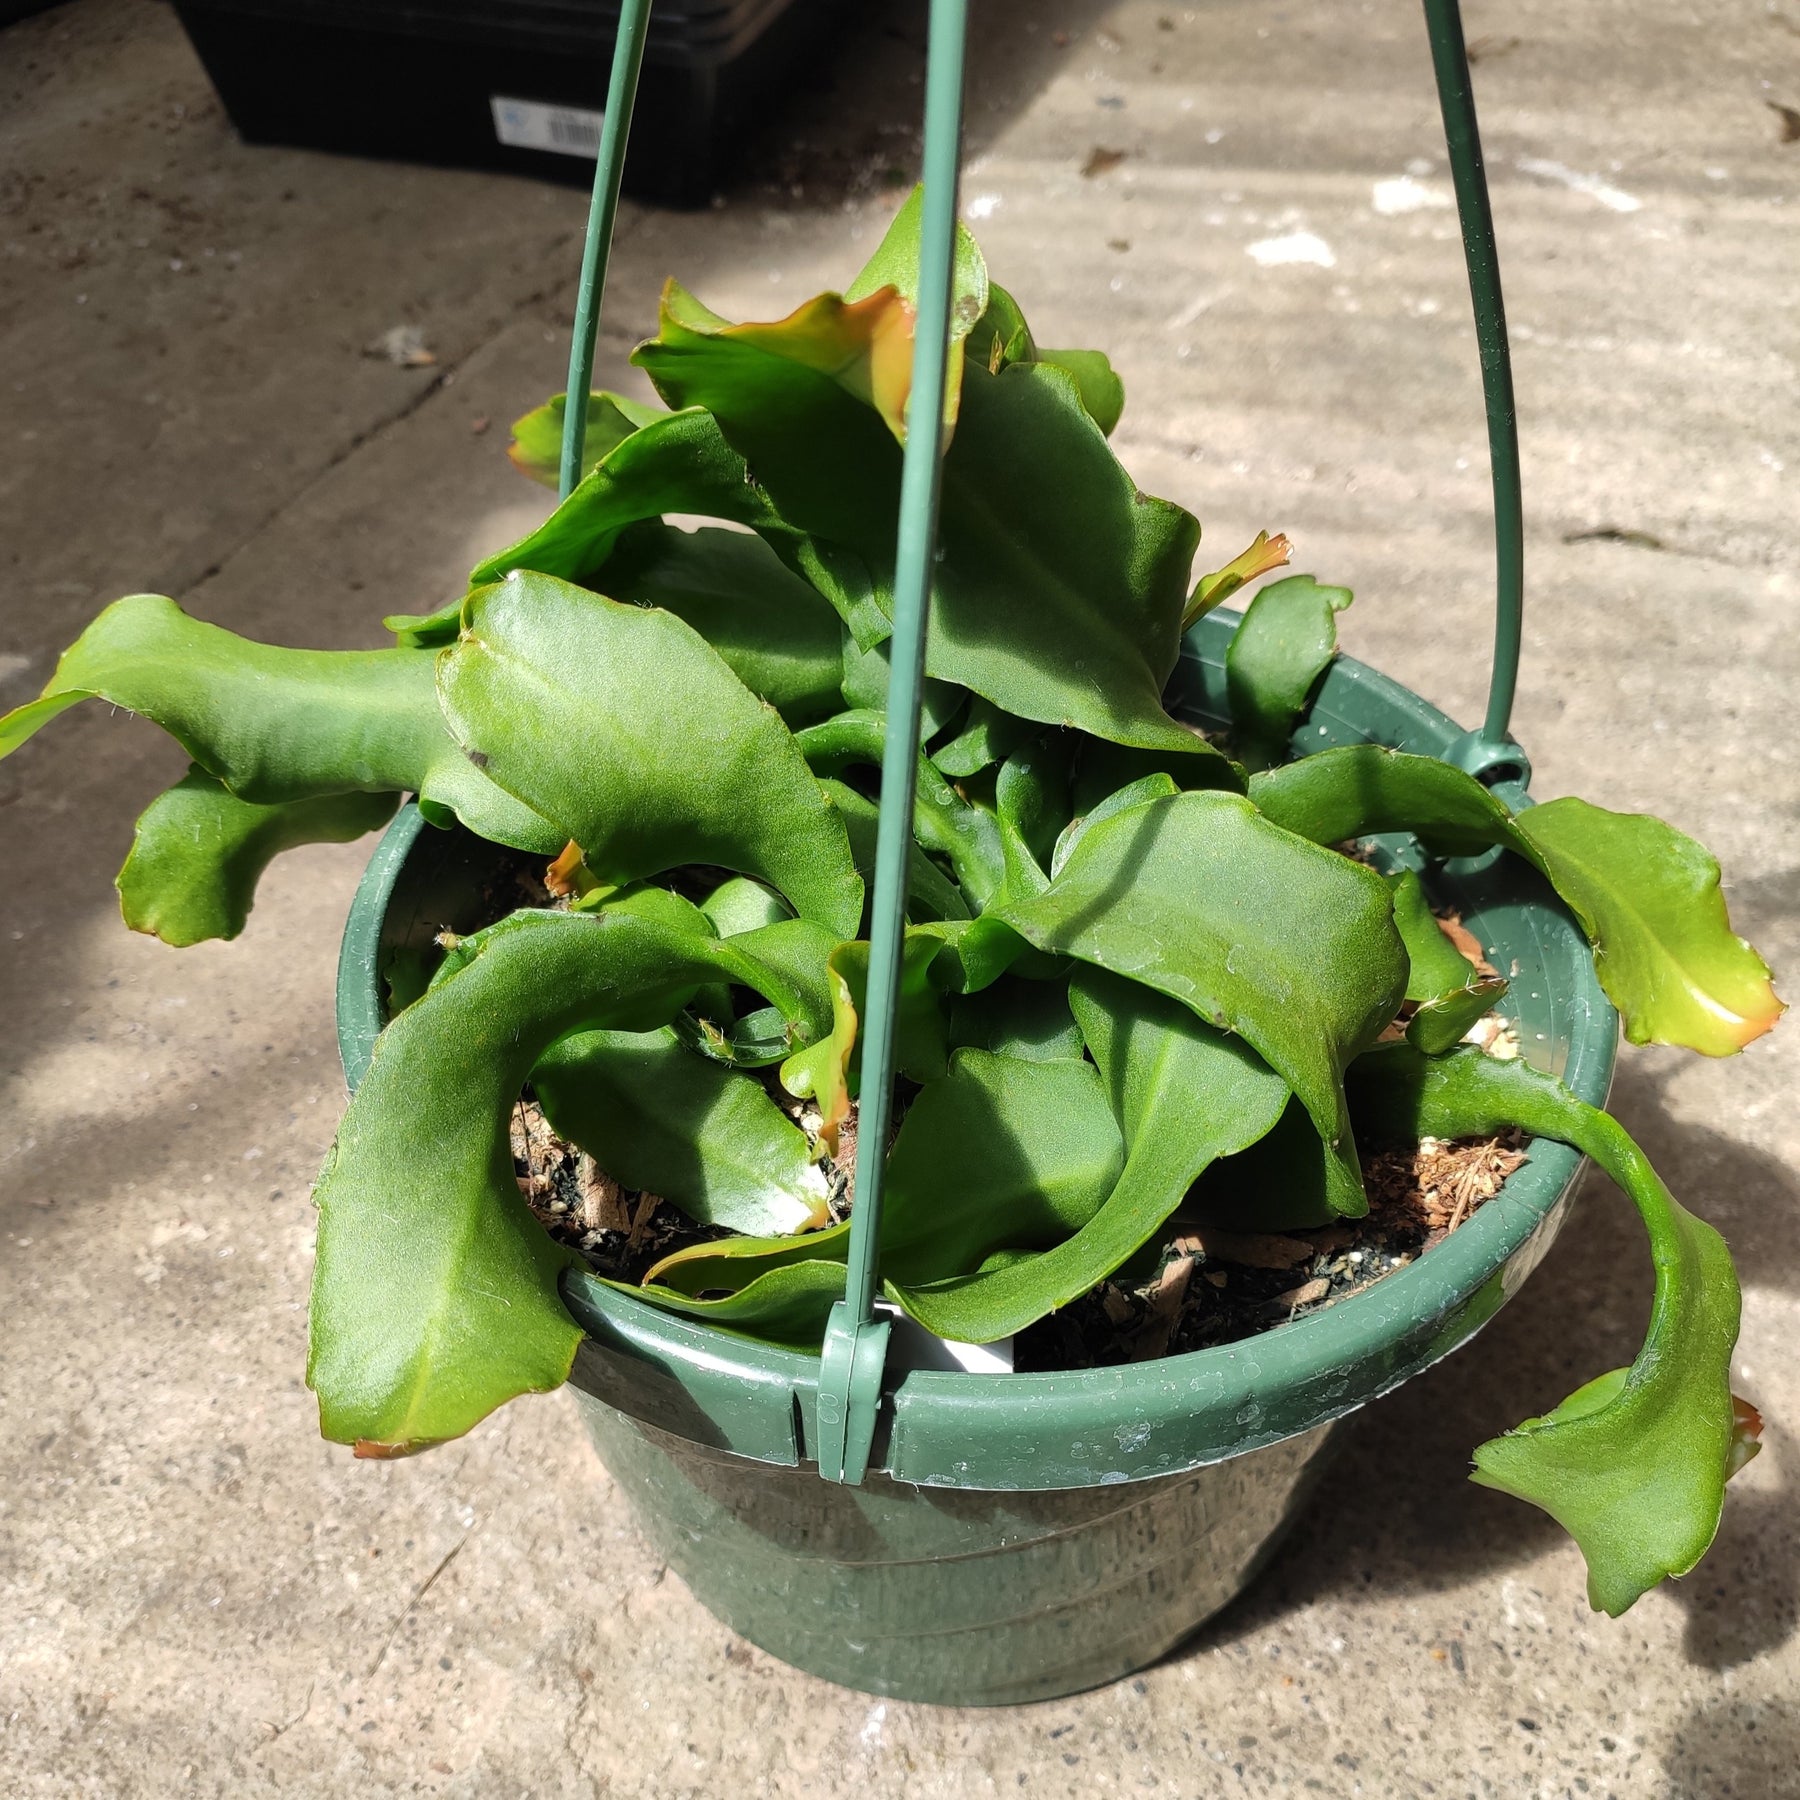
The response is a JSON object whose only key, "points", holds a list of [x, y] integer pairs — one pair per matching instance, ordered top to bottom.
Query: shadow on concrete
{"points": [[1398, 1514], [1734, 1749]]}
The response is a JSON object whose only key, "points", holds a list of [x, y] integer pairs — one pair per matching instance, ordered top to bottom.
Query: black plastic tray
{"points": [[418, 80]]}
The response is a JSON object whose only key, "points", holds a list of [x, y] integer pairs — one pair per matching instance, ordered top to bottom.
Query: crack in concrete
{"points": [[369, 434], [424, 1588], [276, 1731]]}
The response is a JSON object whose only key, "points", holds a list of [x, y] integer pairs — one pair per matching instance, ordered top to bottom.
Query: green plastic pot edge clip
{"points": [[853, 1356]]}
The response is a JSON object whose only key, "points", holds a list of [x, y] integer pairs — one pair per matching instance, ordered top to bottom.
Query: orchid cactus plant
{"points": [[1133, 953]]}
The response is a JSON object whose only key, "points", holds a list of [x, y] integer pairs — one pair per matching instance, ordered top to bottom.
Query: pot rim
{"points": [[1088, 1427]]}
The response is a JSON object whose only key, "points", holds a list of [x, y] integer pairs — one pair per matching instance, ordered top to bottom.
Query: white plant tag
{"points": [[539, 125], [911, 1346]]}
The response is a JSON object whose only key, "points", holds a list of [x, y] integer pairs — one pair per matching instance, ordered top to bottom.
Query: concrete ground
{"points": [[199, 1597]]}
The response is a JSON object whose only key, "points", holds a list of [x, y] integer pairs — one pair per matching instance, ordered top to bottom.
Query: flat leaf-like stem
{"points": [[895, 265], [1001, 337], [863, 346], [1096, 381], [536, 447], [677, 463], [1060, 587], [1059, 590], [776, 632], [1284, 643], [865, 686], [564, 698], [275, 725], [987, 736], [1156, 786], [1360, 790], [1031, 795], [198, 852], [989, 857], [931, 894], [1647, 897], [739, 904], [1261, 934], [1436, 968], [1448, 994], [1018, 1018], [1442, 1023], [830, 1071], [1184, 1095], [657, 1117], [1001, 1155], [1277, 1184], [775, 1290], [435, 1292], [1633, 1465]]}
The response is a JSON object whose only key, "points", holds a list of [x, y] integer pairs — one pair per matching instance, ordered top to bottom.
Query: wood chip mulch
{"points": [[1438, 1184], [619, 1231], [622, 1232], [1208, 1287], [1217, 1287]]}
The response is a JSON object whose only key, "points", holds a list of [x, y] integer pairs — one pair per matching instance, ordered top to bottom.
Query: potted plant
{"points": [[1159, 981]]}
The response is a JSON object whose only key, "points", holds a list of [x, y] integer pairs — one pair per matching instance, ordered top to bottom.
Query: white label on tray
{"points": [[539, 125]]}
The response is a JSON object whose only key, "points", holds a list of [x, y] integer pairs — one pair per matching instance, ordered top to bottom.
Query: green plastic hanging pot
{"points": [[1021, 1536], [978, 1539]]}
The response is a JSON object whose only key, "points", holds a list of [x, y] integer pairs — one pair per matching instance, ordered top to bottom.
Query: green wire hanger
{"points": [[1489, 752], [854, 1352]]}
